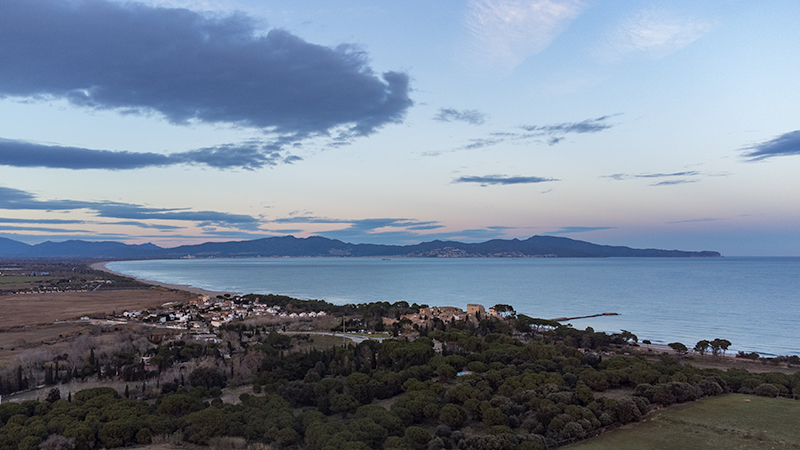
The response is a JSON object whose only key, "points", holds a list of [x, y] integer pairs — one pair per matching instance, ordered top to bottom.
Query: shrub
{"points": [[207, 378], [767, 390], [88, 394], [628, 411], [451, 415], [573, 430], [115, 434], [144, 436], [417, 437], [395, 443]]}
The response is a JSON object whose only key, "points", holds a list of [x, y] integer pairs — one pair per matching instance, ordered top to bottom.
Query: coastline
{"points": [[101, 266], [660, 322]]}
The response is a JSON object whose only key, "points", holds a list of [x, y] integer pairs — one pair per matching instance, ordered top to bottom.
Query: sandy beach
{"points": [[181, 287]]}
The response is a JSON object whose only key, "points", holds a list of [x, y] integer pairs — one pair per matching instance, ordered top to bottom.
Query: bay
{"points": [[752, 302]]}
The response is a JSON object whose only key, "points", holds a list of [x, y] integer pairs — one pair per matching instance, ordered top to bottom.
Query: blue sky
{"points": [[640, 123]]}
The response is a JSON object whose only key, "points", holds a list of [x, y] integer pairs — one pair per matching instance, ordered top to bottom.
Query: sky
{"points": [[649, 124]]}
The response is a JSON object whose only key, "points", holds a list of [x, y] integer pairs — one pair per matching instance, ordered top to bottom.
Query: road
{"points": [[356, 338]]}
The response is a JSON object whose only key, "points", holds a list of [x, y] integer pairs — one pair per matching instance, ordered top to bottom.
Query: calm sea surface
{"points": [[752, 302]]}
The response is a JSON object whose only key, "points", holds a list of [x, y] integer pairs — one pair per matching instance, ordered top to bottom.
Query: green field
{"points": [[21, 282], [728, 422]]}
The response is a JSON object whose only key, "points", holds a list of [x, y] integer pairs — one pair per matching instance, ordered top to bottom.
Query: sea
{"points": [[752, 302]]}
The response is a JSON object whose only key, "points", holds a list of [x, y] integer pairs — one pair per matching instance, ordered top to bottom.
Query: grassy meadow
{"points": [[727, 422]]}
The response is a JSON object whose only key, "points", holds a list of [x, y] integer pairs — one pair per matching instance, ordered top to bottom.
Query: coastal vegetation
{"points": [[479, 384]]}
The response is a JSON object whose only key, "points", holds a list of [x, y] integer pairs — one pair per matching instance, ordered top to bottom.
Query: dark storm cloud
{"points": [[134, 58], [470, 116], [787, 144], [248, 155], [501, 179], [16, 199]]}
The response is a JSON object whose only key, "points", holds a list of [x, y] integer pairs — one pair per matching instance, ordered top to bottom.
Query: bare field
{"points": [[33, 309], [29, 320], [19, 339], [726, 362]]}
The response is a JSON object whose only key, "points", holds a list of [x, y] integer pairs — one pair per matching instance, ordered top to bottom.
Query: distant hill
{"points": [[536, 246]]}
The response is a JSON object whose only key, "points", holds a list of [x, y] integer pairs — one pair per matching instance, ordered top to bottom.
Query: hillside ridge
{"points": [[281, 246]]}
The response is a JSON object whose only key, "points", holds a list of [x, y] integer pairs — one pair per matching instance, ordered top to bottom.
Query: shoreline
{"points": [[101, 266], [657, 346]]}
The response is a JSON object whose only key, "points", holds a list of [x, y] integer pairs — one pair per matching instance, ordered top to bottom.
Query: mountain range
{"points": [[536, 246]]}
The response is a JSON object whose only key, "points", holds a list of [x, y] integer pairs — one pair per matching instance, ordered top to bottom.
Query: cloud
{"points": [[506, 32], [655, 32], [187, 67], [470, 116], [560, 129], [553, 133], [482, 143], [787, 144], [250, 155], [689, 173], [501, 179], [673, 182], [16, 199], [708, 219], [41, 221], [363, 224], [145, 225], [41, 229], [376, 230], [570, 230], [238, 235], [398, 237]]}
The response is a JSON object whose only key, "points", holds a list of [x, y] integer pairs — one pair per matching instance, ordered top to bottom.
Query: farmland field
{"points": [[728, 422]]}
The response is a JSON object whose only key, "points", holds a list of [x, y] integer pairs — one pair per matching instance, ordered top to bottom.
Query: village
{"points": [[205, 314]]}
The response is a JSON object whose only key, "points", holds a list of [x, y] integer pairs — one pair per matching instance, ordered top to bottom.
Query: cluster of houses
{"points": [[57, 289], [447, 313], [205, 314]]}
